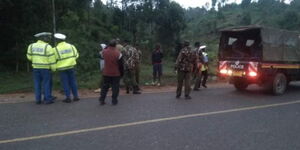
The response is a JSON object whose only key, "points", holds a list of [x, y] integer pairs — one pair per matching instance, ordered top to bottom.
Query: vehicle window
{"points": [[231, 40], [249, 43]]}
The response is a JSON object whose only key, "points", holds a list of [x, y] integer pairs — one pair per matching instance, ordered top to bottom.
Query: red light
{"points": [[252, 74]]}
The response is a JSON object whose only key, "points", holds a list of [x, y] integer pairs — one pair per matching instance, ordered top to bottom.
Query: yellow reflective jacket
{"points": [[41, 55], [66, 55], [205, 61]]}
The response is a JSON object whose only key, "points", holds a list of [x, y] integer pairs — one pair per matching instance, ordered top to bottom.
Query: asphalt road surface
{"points": [[217, 118]]}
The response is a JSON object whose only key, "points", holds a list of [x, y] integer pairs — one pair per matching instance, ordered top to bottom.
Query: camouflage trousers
{"points": [[137, 74], [185, 77], [129, 78]]}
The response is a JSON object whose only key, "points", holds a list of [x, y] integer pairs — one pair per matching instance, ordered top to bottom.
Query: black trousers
{"points": [[114, 82]]}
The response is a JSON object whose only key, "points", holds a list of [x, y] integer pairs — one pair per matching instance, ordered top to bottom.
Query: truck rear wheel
{"points": [[279, 84], [240, 85]]}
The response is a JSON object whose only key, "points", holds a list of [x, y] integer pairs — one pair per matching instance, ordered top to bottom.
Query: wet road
{"points": [[217, 118]]}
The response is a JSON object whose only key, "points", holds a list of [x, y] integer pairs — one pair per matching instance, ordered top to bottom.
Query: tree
{"points": [[245, 3], [289, 20]]}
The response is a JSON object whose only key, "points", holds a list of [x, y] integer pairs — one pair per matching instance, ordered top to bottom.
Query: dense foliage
{"points": [[144, 22]]}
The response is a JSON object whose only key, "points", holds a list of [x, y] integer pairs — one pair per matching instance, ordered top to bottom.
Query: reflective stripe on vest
{"points": [[45, 51], [59, 55], [66, 56], [40, 58], [43, 64], [65, 68]]}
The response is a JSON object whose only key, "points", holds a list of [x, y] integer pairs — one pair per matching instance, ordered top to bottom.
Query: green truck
{"points": [[259, 55]]}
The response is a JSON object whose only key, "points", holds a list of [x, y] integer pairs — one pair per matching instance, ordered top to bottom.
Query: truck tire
{"points": [[279, 84], [240, 85]]}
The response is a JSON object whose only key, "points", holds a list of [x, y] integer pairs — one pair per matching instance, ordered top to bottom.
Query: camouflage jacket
{"points": [[140, 56], [130, 57], [186, 60]]}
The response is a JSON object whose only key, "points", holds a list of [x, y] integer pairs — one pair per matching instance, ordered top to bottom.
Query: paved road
{"points": [[217, 118]]}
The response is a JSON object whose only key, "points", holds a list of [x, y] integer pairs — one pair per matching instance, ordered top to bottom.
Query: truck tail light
{"points": [[223, 67], [252, 69], [223, 71], [229, 72], [252, 74]]}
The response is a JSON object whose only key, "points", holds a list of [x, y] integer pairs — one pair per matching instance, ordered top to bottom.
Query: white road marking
{"points": [[144, 122]]}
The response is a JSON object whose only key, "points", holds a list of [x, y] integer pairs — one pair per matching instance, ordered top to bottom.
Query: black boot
{"points": [[127, 89], [135, 90], [188, 97], [76, 99], [67, 100], [102, 102], [114, 102]]}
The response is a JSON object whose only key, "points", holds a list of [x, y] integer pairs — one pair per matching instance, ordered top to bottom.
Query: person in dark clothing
{"points": [[157, 56], [112, 72]]}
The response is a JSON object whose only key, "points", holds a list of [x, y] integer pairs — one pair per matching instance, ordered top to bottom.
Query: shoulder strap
{"points": [[57, 52]]}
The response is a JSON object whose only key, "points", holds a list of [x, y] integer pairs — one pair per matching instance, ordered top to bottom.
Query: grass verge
{"points": [[12, 82]]}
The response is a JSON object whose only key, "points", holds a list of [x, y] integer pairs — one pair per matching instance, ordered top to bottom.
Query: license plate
{"points": [[237, 73]]}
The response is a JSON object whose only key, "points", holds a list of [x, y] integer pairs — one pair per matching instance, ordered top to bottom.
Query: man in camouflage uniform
{"points": [[130, 56], [185, 64], [137, 68]]}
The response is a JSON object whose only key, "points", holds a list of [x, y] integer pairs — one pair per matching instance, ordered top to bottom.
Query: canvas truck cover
{"points": [[277, 45], [280, 45]]}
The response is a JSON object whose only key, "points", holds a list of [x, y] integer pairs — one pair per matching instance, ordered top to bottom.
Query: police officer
{"points": [[66, 55], [130, 57], [43, 61], [185, 64], [204, 68], [198, 70]]}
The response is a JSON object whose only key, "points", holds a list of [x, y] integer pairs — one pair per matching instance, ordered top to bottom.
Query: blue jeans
{"points": [[41, 79], [68, 81], [51, 84]]}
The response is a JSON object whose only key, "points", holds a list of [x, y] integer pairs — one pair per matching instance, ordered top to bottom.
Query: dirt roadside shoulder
{"points": [[86, 93]]}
